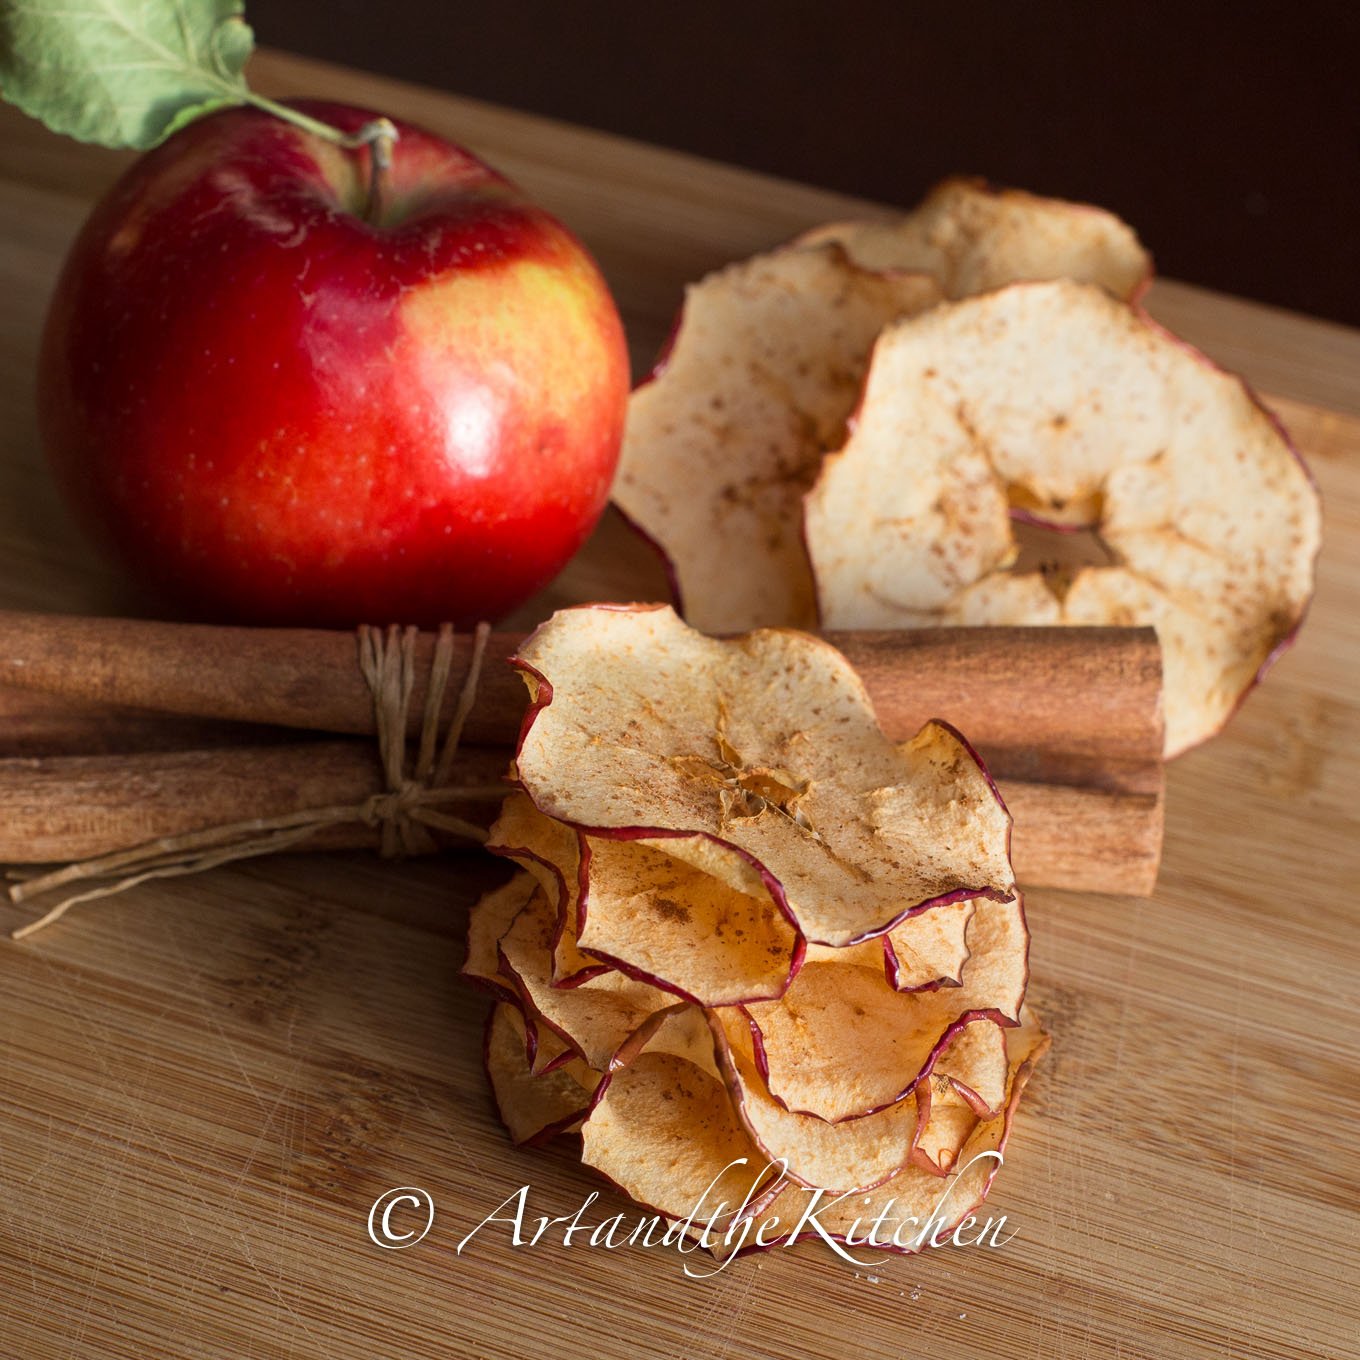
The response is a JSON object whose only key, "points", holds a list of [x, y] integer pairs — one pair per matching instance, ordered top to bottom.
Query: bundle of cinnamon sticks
{"points": [[117, 732]]}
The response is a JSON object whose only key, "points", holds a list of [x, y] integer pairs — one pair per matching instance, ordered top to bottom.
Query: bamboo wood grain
{"points": [[207, 1084]]}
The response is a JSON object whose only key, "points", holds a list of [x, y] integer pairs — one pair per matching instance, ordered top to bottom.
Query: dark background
{"points": [[1229, 135]]}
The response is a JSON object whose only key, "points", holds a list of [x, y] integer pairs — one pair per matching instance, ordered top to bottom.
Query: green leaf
{"points": [[122, 72]]}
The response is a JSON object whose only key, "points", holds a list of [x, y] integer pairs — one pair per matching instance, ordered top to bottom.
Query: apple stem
{"points": [[379, 136], [382, 138]]}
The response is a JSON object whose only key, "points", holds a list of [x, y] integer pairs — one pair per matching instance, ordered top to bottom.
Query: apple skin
{"points": [[272, 411]]}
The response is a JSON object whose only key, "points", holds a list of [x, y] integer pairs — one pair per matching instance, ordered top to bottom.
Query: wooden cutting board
{"points": [[205, 1085]]}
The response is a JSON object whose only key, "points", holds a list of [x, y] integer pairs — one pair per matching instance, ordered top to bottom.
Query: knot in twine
{"points": [[406, 813]]}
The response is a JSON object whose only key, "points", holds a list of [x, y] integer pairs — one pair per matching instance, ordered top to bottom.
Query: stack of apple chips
{"points": [[757, 949]]}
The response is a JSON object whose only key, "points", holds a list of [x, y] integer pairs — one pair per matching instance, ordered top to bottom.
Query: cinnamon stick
{"points": [[1066, 705], [35, 722], [76, 807]]}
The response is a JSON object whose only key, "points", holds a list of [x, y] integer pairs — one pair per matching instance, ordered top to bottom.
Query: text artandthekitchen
{"points": [[702, 1228]]}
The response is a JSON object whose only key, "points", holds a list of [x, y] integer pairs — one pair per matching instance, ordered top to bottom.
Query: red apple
{"points": [[274, 410]]}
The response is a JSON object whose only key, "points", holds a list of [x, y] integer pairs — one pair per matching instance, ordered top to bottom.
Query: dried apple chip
{"points": [[973, 238], [1058, 403], [721, 444], [767, 744], [546, 848], [550, 851], [715, 859], [632, 905], [491, 918], [488, 920], [660, 920], [929, 950], [870, 953], [571, 965], [596, 1020], [681, 1030], [843, 1042], [547, 1050], [974, 1067], [967, 1084], [952, 1106], [532, 1108], [947, 1124], [665, 1132], [855, 1154], [917, 1205]]}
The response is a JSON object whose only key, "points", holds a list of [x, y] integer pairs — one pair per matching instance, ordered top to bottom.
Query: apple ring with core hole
{"points": [[1053, 405]]}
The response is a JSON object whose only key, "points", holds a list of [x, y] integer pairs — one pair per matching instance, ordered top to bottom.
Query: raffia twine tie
{"points": [[410, 808]]}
